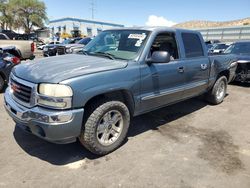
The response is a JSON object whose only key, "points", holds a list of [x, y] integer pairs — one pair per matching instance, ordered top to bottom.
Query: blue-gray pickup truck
{"points": [[121, 73]]}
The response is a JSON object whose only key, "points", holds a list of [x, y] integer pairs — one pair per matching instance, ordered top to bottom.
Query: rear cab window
{"points": [[192, 45]]}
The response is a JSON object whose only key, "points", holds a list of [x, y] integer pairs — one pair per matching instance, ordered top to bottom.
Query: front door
{"points": [[162, 83]]}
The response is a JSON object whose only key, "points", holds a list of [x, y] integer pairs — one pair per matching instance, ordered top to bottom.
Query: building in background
{"points": [[74, 26], [226, 34]]}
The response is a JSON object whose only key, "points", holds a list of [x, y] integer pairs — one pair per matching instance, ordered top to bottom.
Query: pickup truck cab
{"points": [[121, 73]]}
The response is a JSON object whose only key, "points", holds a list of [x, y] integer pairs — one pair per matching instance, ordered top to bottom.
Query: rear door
{"points": [[197, 64]]}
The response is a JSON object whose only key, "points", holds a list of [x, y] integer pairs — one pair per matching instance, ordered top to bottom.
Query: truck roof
{"points": [[154, 28], [242, 41]]}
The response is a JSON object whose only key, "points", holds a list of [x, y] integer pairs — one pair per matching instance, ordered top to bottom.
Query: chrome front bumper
{"points": [[59, 126]]}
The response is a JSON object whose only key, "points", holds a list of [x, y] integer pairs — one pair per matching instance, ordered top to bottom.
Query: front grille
{"points": [[61, 50], [20, 91]]}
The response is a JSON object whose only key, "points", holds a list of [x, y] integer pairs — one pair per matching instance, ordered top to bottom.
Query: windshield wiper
{"points": [[105, 54]]}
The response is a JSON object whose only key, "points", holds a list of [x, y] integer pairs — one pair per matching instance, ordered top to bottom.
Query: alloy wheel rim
{"points": [[221, 90], [109, 127]]}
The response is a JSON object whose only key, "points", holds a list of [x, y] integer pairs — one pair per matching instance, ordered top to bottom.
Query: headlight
{"points": [[69, 50], [55, 90], [55, 95]]}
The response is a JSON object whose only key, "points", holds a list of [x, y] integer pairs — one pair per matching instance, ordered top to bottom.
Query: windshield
{"points": [[67, 41], [84, 41], [120, 44], [220, 46], [238, 48]]}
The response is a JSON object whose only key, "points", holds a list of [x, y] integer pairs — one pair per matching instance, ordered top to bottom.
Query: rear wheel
{"points": [[1, 83], [217, 94], [106, 127]]}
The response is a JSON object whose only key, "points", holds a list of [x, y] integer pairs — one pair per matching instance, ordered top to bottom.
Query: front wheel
{"points": [[217, 94], [106, 127]]}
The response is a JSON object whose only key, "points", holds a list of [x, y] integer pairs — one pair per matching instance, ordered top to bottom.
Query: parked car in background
{"points": [[11, 34], [17, 36], [212, 42], [40, 47], [209, 47], [26, 48], [73, 48], [218, 48], [51, 49], [241, 50], [7, 62], [120, 74]]}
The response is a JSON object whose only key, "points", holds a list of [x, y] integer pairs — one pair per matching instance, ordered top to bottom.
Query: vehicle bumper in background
{"points": [[52, 125]]}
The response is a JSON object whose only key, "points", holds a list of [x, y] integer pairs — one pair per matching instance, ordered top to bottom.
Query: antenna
{"points": [[92, 8]]}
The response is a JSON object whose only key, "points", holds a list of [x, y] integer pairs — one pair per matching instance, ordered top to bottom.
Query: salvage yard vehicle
{"points": [[40, 47], [26, 48], [73, 48], [218, 48], [52, 49], [241, 50], [7, 62], [121, 73]]}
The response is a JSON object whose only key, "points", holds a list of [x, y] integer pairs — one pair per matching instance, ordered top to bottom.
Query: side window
{"points": [[165, 42], [192, 45]]}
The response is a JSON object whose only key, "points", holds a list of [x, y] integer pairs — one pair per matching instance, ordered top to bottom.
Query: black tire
{"points": [[2, 82], [217, 94], [89, 135]]}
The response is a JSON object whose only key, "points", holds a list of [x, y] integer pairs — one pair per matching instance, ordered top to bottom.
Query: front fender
{"points": [[89, 86]]}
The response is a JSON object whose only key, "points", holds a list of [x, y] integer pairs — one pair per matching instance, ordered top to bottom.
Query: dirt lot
{"points": [[190, 144]]}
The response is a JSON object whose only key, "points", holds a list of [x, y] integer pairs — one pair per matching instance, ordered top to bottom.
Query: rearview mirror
{"points": [[159, 57]]}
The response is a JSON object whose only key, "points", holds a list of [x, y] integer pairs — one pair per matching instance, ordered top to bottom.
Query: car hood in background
{"points": [[72, 45], [243, 58], [59, 68]]}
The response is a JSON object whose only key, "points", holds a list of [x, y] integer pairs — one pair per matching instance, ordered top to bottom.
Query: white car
{"points": [[42, 46]]}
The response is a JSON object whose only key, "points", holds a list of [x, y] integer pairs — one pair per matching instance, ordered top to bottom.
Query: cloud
{"points": [[154, 20]]}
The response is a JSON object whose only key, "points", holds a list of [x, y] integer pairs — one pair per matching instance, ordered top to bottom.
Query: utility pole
{"points": [[92, 8]]}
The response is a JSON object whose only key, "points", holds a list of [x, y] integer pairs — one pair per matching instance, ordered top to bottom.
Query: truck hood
{"points": [[243, 58], [59, 68]]}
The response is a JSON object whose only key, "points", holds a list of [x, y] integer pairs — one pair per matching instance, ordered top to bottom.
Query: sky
{"points": [[151, 12]]}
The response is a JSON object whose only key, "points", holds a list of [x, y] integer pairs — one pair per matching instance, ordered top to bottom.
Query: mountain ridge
{"points": [[198, 24]]}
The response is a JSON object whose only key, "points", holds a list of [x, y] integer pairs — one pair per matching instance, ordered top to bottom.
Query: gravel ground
{"points": [[190, 144]]}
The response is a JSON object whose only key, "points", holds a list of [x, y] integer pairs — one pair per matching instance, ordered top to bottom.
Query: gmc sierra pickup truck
{"points": [[121, 73]]}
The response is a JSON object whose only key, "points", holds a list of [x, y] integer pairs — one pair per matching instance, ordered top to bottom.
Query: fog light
{"points": [[52, 103]]}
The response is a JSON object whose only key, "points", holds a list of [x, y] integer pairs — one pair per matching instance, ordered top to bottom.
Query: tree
{"points": [[28, 13], [6, 16]]}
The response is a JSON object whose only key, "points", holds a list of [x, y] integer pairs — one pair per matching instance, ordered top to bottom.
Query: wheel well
{"points": [[224, 73], [3, 76], [120, 95]]}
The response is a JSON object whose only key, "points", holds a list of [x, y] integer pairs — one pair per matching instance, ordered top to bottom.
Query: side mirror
{"points": [[159, 57]]}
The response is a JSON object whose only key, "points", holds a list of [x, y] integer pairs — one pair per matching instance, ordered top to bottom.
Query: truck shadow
{"points": [[246, 84], [154, 119], [69, 153]]}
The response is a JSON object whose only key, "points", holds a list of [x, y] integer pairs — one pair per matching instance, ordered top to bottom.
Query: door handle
{"points": [[181, 69]]}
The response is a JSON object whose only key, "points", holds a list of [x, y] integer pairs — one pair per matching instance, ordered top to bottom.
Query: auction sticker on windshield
{"points": [[137, 36], [140, 38]]}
